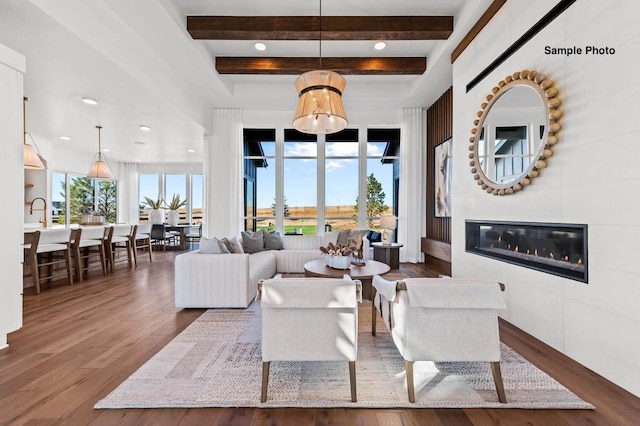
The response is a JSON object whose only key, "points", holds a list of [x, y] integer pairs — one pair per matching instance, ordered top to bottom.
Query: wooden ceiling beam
{"points": [[308, 27], [342, 65]]}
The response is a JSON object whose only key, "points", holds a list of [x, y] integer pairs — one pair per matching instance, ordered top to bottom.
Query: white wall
{"points": [[12, 68], [593, 178]]}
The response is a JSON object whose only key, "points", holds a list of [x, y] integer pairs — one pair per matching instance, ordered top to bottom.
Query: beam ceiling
{"points": [[308, 27], [342, 65]]}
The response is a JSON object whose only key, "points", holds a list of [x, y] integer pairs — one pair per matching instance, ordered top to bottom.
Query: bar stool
{"points": [[118, 239], [30, 247], [87, 247], [54, 250]]}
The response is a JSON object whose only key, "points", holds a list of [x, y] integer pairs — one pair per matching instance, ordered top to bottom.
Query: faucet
{"points": [[43, 221]]}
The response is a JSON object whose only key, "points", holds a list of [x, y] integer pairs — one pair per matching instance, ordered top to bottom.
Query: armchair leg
{"points": [[408, 366], [497, 379], [352, 380], [265, 381]]}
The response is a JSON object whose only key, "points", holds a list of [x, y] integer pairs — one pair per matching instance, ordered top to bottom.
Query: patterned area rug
{"points": [[216, 362]]}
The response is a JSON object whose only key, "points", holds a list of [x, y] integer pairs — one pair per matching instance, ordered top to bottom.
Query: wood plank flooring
{"points": [[79, 342]]}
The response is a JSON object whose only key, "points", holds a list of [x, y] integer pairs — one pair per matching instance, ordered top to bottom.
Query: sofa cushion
{"points": [[272, 241], [252, 242], [228, 245], [237, 245], [212, 246], [262, 265]]}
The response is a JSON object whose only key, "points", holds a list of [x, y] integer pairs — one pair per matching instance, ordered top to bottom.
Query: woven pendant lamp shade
{"points": [[320, 109]]}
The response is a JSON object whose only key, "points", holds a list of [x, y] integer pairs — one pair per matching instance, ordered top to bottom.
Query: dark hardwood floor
{"points": [[79, 342]]}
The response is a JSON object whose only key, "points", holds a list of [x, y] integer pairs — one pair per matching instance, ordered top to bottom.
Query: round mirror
{"points": [[514, 133]]}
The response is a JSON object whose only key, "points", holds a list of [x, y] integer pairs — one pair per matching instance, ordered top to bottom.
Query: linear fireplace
{"points": [[554, 248]]}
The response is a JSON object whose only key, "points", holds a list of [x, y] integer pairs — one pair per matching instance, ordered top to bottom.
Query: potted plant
{"points": [[156, 215], [173, 217]]}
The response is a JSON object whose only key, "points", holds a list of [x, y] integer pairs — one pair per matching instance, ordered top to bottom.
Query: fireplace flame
{"points": [[509, 247], [516, 249], [528, 251], [535, 252], [551, 255], [566, 258], [579, 262]]}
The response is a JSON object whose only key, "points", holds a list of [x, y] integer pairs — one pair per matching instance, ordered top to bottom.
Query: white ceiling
{"points": [[137, 59]]}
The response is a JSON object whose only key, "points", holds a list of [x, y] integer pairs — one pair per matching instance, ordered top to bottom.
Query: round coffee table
{"points": [[317, 268]]}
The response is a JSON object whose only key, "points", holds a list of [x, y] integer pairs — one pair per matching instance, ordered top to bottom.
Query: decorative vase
{"points": [[156, 216], [173, 217], [337, 262]]}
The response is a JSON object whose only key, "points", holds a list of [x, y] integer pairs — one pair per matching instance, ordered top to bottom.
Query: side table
{"points": [[387, 253]]}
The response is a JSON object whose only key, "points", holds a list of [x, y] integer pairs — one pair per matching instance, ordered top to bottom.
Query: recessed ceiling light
{"points": [[380, 45], [260, 46], [89, 101], [145, 127], [64, 138], [139, 142], [106, 150], [191, 150], [137, 159]]}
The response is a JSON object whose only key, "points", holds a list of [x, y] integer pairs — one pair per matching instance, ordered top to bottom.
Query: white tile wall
{"points": [[593, 178]]}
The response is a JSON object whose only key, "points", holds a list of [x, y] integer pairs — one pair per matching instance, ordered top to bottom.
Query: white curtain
{"points": [[223, 184], [128, 193], [412, 208]]}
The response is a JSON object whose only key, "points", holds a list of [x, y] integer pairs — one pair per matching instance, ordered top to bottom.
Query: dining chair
{"points": [[193, 236], [160, 237], [141, 239]]}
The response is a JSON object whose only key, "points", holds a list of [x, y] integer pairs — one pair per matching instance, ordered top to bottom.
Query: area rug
{"points": [[216, 362]]}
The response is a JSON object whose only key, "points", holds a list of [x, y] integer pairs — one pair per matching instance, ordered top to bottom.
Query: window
{"points": [[383, 174], [300, 177], [341, 180], [306, 181], [154, 186], [197, 193], [83, 196]]}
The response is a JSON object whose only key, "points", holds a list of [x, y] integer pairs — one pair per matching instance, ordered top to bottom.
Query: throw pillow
{"points": [[343, 237], [272, 241], [252, 242], [228, 245], [212, 246], [237, 247]]}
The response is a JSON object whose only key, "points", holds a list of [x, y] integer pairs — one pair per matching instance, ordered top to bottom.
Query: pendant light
{"points": [[320, 109], [30, 153], [100, 168]]}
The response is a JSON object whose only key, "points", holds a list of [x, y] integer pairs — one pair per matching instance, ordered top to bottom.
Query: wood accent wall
{"points": [[439, 129]]}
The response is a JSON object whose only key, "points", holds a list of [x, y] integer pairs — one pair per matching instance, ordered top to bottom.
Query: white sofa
{"points": [[230, 280]]}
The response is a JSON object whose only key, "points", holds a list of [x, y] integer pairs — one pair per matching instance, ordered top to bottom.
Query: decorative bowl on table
{"points": [[337, 262]]}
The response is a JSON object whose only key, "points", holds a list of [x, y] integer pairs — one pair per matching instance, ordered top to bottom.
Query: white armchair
{"points": [[309, 319], [434, 319]]}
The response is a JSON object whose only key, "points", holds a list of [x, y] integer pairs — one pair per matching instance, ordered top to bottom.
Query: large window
{"points": [[341, 173], [300, 179], [308, 184], [164, 186], [74, 197]]}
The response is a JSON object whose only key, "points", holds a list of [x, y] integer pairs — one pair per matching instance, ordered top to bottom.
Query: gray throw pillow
{"points": [[357, 235], [343, 237], [272, 241], [252, 242], [228, 245], [212, 246]]}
